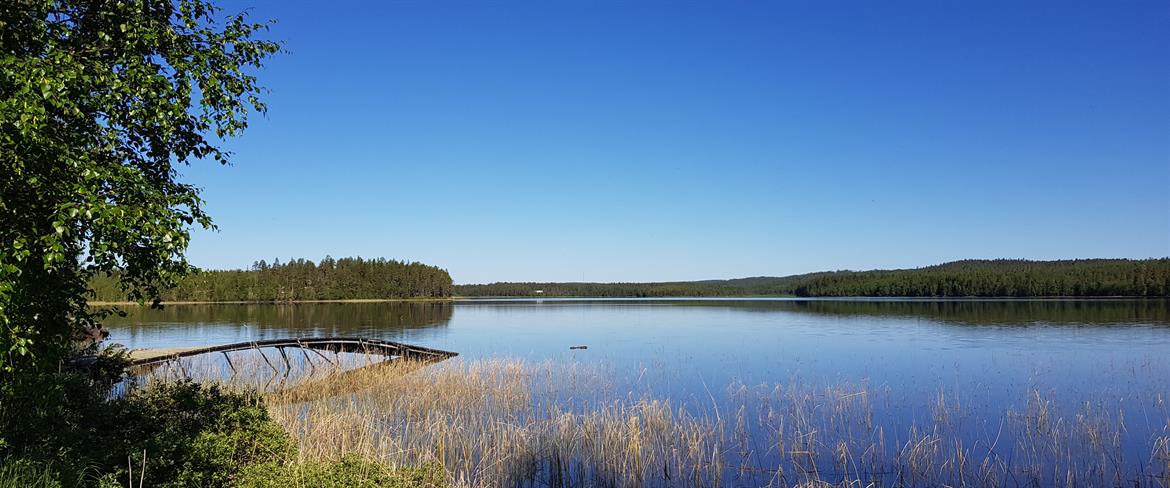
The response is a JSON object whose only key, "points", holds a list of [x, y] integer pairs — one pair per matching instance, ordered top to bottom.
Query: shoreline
{"points": [[739, 297], [282, 302]]}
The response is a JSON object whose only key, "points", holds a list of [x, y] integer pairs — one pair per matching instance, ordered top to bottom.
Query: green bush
{"points": [[54, 419], [62, 430], [191, 435], [195, 435], [351, 471]]}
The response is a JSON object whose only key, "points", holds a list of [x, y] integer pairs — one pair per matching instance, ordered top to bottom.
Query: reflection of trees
{"points": [[964, 312], [1002, 312], [338, 317]]}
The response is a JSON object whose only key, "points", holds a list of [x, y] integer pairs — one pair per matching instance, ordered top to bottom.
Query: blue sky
{"points": [[638, 141]]}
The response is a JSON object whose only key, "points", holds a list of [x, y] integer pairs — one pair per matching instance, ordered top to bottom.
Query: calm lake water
{"points": [[1067, 345], [989, 355]]}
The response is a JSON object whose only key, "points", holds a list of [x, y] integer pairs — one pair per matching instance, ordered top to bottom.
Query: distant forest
{"points": [[357, 278], [969, 278], [301, 279]]}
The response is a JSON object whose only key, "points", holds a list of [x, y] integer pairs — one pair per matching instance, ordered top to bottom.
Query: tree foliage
{"points": [[100, 101], [970, 278], [1001, 278], [302, 279]]}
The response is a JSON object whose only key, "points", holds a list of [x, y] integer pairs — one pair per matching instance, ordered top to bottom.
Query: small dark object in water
{"points": [[578, 347]]}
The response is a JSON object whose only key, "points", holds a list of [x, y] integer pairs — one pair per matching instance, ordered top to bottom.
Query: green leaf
{"points": [[78, 104]]}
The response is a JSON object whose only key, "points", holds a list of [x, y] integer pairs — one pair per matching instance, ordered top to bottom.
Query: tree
{"points": [[100, 101]]}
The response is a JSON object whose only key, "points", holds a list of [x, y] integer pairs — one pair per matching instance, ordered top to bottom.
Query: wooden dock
{"points": [[146, 358]]}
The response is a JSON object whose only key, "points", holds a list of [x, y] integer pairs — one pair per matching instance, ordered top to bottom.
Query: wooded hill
{"points": [[357, 278], [968, 278], [301, 279]]}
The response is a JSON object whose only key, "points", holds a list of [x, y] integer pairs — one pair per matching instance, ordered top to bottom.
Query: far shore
{"points": [[556, 297], [286, 302]]}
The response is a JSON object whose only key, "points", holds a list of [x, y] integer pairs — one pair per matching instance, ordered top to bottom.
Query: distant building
{"points": [[538, 292]]}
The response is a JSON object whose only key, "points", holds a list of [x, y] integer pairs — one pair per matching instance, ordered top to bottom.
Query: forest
{"points": [[358, 278], [967, 278], [298, 280]]}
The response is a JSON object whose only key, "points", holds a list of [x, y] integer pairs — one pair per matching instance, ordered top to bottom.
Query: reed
{"points": [[495, 422]]}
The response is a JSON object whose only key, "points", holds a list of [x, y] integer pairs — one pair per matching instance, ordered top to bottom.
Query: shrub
{"points": [[53, 419], [64, 430], [195, 435], [351, 471]]}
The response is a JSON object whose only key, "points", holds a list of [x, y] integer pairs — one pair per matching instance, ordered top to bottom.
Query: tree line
{"points": [[358, 278], [968, 278], [1003, 278], [299, 279], [762, 286]]}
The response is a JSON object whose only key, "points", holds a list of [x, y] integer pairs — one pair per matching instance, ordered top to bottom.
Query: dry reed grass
{"points": [[497, 422]]}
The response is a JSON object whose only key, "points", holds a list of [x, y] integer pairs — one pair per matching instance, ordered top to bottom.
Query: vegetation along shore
{"points": [[967, 278], [358, 279]]}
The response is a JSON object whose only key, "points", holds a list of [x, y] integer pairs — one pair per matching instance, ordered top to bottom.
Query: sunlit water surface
{"points": [[990, 356]]}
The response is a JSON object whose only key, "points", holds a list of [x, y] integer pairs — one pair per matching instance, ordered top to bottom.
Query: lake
{"points": [[987, 357]]}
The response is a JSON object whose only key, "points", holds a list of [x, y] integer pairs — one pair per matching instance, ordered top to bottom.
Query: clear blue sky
{"points": [[617, 141]]}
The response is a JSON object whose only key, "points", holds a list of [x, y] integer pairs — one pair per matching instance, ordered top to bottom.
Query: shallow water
{"points": [[989, 356]]}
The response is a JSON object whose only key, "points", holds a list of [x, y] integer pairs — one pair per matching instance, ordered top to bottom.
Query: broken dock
{"points": [[389, 350]]}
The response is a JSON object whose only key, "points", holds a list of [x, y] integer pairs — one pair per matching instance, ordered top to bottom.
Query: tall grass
{"points": [[498, 422], [22, 474]]}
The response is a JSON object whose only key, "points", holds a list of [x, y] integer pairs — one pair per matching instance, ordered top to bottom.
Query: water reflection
{"points": [[1011, 312], [295, 316], [916, 343]]}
